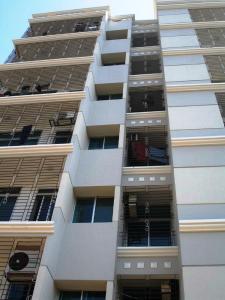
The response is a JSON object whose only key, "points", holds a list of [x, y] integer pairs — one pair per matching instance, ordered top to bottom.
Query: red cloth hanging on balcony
{"points": [[139, 151]]}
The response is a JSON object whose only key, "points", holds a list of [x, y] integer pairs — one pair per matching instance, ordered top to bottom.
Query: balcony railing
{"points": [[66, 26], [145, 39], [55, 49], [145, 65], [43, 80], [143, 100], [33, 124], [146, 148], [28, 187], [24, 204], [147, 219], [20, 259], [154, 289]]}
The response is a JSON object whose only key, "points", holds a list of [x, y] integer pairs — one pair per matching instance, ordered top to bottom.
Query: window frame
{"points": [[104, 142], [94, 199]]}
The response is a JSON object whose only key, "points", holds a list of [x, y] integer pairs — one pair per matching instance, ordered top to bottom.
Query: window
{"points": [[109, 97], [62, 137], [19, 138], [108, 142], [8, 197], [43, 205], [93, 210], [19, 291], [82, 296]]}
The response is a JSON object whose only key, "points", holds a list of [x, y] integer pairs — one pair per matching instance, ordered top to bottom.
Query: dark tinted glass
{"points": [[116, 96], [103, 97], [62, 137], [111, 142], [96, 143], [83, 210], [103, 210], [18, 291], [70, 296], [93, 296]]}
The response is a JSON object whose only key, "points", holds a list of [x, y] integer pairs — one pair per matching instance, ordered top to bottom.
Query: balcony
{"points": [[39, 27], [145, 39], [53, 47], [145, 65], [23, 80], [146, 99], [36, 124], [147, 146], [28, 188], [147, 219], [20, 259], [149, 289]]}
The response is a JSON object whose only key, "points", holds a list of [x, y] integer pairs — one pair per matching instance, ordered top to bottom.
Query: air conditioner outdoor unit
{"points": [[63, 119], [22, 264]]}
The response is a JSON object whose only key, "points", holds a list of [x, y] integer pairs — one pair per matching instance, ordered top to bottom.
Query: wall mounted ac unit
{"points": [[23, 263]]}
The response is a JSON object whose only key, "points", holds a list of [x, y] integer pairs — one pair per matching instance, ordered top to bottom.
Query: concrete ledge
{"points": [[188, 4], [69, 16], [193, 25], [56, 37], [195, 51], [47, 63], [146, 76], [217, 87], [43, 98], [149, 114], [198, 141], [36, 150], [147, 170], [206, 225], [26, 228], [147, 251]]}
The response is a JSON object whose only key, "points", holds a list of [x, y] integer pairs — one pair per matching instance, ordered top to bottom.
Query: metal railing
{"points": [[66, 26], [145, 65], [43, 80], [146, 101], [37, 137], [147, 149], [28, 187], [24, 204], [144, 233], [154, 289]]}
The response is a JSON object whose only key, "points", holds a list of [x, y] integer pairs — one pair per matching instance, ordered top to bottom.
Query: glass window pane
{"points": [[116, 96], [111, 142], [96, 143], [103, 210], [83, 211], [93, 295], [70, 296]]}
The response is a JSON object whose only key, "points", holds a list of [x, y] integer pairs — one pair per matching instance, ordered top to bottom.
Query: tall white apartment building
{"points": [[112, 156]]}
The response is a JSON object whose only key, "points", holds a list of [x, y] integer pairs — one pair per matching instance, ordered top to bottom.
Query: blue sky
{"points": [[14, 14]]}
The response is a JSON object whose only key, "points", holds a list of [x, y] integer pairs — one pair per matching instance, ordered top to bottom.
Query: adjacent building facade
{"points": [[112, 164]]}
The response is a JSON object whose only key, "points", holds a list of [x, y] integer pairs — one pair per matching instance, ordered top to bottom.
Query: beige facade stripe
{"points": [[194, 25], [56, 37], [47, 63], [36, 150], [147, 170], [217, 225], [26, 228], [147, 251]]}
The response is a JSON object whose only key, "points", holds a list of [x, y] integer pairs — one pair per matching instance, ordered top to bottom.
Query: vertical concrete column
{"points": [[194, 115], [117, 200], [44, 287], [109, 291]]}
